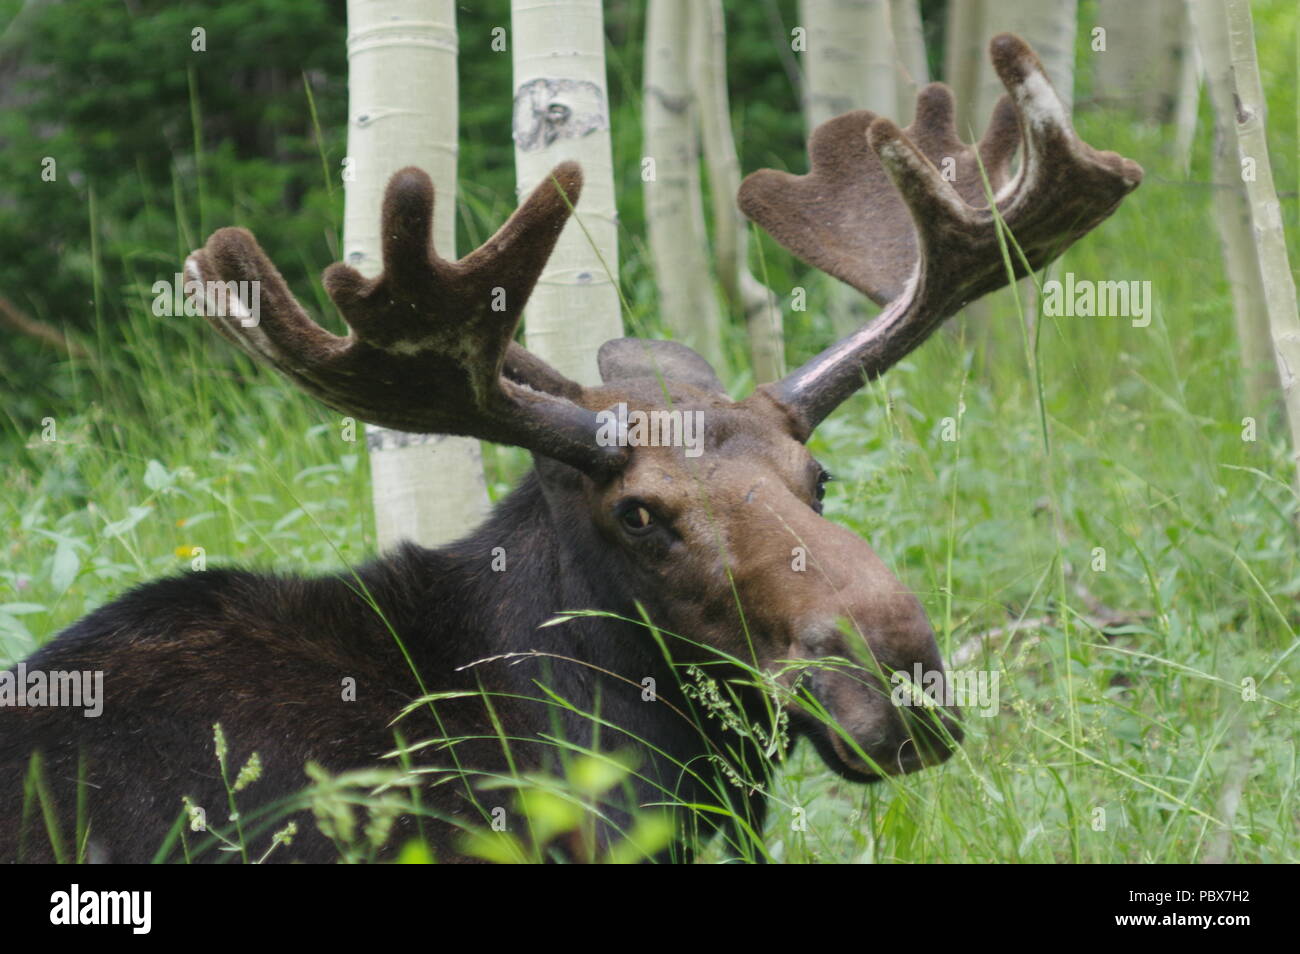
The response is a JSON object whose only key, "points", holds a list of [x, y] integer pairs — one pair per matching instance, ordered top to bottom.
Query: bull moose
{"points": [[637, 576]]}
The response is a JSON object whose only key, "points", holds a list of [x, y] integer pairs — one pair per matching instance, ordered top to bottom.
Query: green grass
{"points": [[1109, 747]]}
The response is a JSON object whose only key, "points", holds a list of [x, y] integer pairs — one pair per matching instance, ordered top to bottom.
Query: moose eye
{"points": [[636, 517]]}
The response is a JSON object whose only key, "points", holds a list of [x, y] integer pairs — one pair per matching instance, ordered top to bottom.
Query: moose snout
{"points": [[861, 639], [886, 692], [882, 722], [934, 731]]}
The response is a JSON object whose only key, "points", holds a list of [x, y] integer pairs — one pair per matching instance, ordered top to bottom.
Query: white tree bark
{"points": [[1048, 27], [964, 51], [850, 61], [849, 64], [1140, 67], [914, 68], [1189, 90], [402, 110], [561, 111], [674, 204], [1232, 213], [1266, 213], [730, 229]]}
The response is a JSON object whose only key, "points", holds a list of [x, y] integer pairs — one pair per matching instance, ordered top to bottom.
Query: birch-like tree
{"points": [[1048, 27], [964, 46], [850, 61], [849, 64], [913, 65], [1141, 66], [1188, 101], [402, 111], [561, 111], [670, 170], [1232, 212], [1266, 213], [753, 299]]}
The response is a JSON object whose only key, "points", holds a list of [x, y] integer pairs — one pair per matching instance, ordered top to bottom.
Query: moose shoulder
{"points": [[459, 666]]}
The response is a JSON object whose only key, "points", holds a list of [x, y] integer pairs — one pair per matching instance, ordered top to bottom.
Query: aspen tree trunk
{"points": [[1048, 27], [1051, 28], [964, 50], [849, 64], [1141, 65], [914, 67], [1189, 90], [402, 110], [561, 111], [674, 204], [1266, 213], [1232, 214], [730, 229]]}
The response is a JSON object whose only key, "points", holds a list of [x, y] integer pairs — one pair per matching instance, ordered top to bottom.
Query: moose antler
{"points": [[887, 221], [431, 345]]}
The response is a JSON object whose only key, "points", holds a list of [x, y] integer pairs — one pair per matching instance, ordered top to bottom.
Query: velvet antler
{"points": [[902, 216], [430, 348]]}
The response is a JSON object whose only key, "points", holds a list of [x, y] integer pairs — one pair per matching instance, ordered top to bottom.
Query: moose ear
{"points": [[623, 359]]}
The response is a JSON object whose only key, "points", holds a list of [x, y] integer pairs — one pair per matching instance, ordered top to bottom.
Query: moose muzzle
{"points": [[872, 690]]}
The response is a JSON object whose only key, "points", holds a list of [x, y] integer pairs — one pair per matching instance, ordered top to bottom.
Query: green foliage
{"points": [[154, 145], [563, 810], [233, 840]]}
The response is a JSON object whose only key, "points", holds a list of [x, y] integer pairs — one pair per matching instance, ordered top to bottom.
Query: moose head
{"points": [[705, 538]]}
